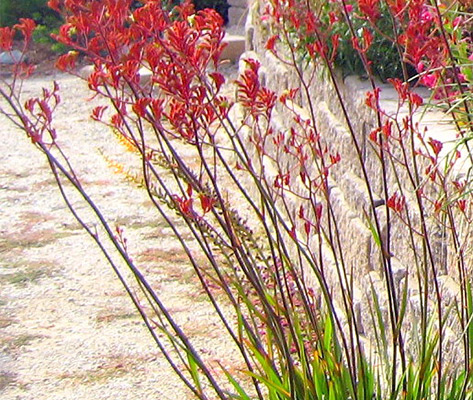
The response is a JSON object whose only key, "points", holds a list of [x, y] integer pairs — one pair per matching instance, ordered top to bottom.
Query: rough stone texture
{"points": [[238, 3], [236, 16], [235, 47], [10, 58], [349, 195]]}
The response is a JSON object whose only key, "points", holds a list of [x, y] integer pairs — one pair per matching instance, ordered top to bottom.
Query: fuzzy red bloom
{"points": [[54, 5], [370, 8], [333, 17], [26, 27], [65, 33], [6, 38], [367, 39], [271, 43], [317, 48], [67, 61], [96, 79], [218, 79], [429, 80], [248, 84], [401, 88], [288, 95], [372, 99], [415, 99], [259, 100], [140, 106], [157, 108], [97, 112], [117, 120], [387, 129], [374, 135], [436, 146], [334, 159], [460, 185], [396, 202], [206, 203], [462, 205], [185, 206], [318, 216], [307, 226], [293, 233]]}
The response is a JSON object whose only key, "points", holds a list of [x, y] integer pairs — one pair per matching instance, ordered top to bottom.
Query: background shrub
{"points": [[221, 6], [12, 10], [47, 20], [383, 53]]}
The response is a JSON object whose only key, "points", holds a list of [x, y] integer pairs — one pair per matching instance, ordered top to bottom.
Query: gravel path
{"points": [[67, 329]]}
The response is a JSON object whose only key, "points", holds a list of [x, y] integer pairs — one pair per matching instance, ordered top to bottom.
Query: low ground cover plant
{"points": [[258, 198]]}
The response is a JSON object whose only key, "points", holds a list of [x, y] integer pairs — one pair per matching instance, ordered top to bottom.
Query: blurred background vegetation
{"points": [[220, 6], [12, 10], [49, 21]]}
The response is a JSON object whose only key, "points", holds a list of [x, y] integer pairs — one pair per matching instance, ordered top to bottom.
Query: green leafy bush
{"points": [[11, 11], [48, 21], [42, 34], [383, 53]]}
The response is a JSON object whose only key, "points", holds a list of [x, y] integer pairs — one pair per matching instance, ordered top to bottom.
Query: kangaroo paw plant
{"points": [[251, 170]]}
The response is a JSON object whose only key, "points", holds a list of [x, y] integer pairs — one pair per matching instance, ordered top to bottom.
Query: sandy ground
{"points": [[67, 328]]}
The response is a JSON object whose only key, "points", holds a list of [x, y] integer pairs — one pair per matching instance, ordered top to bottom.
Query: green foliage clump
{"points": [[12, 10], [48, 21], [42, 34], [383, 55], [386, 62]]}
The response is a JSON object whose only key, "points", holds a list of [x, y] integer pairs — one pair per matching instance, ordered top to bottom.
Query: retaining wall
{"points": [[347, 187]]}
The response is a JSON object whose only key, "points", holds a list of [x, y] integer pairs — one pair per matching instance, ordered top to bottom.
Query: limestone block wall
{"points": [[237, 13], [348, 190]]}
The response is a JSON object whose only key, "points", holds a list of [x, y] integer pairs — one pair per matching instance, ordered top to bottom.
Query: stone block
{"points": [[238, 3], [237, 16], [249, 37], [234, 49], [10, 58], [86, 71], [355, 191], [349, 196], [355, 237]]}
